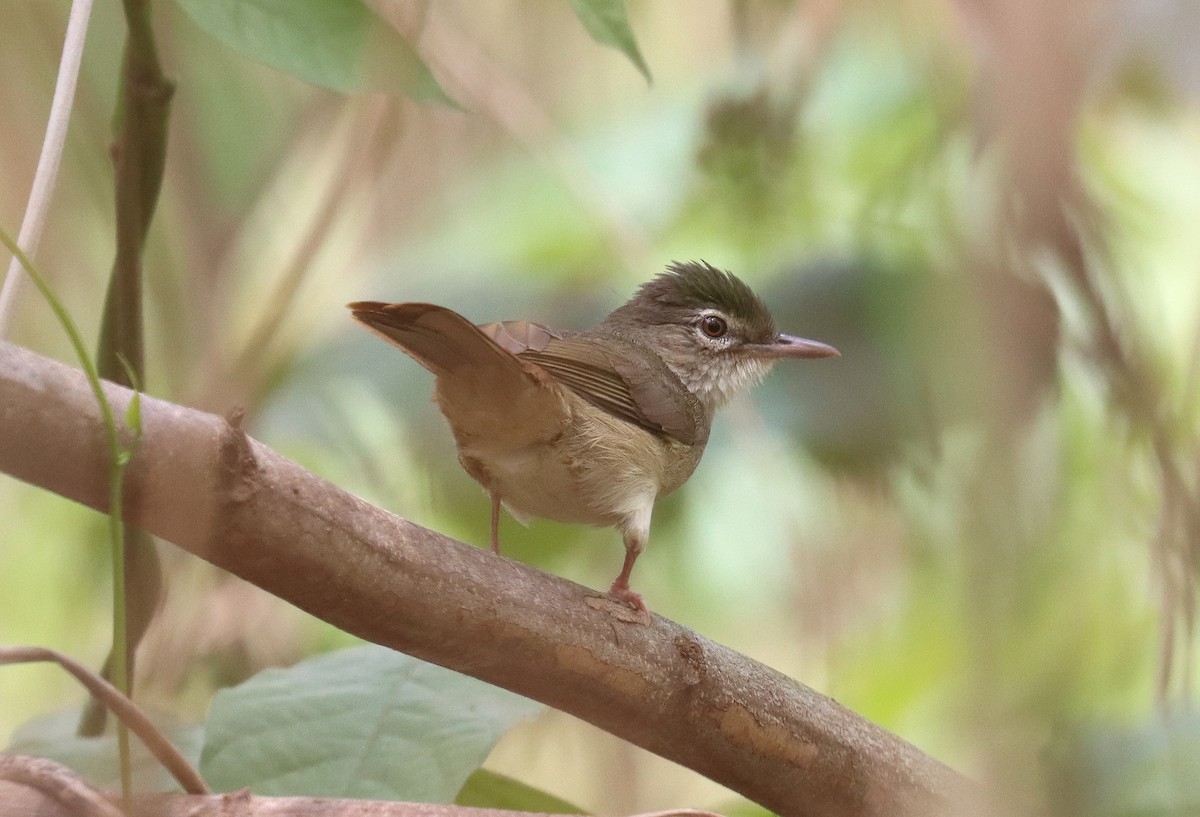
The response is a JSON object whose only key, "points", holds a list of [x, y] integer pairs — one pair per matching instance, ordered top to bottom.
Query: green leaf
{"points": [[608, 24], [337, 44], [130, 373], [133, 414], [365, 722], [54, 737], [485, 789]]}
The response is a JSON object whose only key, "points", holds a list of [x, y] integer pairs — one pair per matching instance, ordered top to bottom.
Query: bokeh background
{"points": [[980, 527]]}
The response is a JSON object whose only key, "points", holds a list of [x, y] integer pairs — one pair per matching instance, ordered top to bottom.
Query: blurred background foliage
{"points": [[979, 527]]}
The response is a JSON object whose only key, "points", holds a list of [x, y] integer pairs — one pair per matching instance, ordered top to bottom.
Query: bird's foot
{"points": [[622, 593]]}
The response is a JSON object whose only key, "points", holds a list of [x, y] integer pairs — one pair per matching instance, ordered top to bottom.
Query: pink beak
{"points": [[792, 346]]}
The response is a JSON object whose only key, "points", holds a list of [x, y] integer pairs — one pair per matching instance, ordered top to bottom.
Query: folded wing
{"points": [[609, 372]]}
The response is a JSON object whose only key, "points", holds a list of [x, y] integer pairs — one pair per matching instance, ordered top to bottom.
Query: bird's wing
{"points": [[491, 361], [632, 385], [485, 391]]}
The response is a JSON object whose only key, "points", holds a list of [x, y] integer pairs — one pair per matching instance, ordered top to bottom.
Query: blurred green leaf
{"points": [[608, 24], [337, 44], [365, 722], [54, 737], [485, 789]]}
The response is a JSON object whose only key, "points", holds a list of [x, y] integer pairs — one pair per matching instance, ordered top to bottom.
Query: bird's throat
{"points": [[720, 378]]}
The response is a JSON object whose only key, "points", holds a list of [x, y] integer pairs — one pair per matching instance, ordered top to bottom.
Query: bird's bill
{"points": [[792, 346]]}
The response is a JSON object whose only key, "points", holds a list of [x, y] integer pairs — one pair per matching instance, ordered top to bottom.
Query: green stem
{"points": [[85, 361], [117, 458], [120, 655]]}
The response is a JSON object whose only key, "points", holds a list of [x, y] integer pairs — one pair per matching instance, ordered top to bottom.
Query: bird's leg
{"points": [[635, 531], [495, 539], [620, 586]]}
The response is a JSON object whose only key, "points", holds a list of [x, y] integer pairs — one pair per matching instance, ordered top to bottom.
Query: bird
{"points": [[592, 427]]}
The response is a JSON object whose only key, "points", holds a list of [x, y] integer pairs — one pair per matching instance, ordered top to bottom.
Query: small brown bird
{"points": [[592, 427]]}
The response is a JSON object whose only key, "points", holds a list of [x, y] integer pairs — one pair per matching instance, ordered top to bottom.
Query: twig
{"points": [[46, 175], [125, 709], [56, 783], [240, 804]]}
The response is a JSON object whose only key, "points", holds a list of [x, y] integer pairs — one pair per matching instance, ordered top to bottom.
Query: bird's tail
{"points": [[439, 339], [485, 391]]}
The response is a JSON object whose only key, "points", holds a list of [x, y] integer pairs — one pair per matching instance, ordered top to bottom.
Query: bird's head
{"points": [[710, 328]]}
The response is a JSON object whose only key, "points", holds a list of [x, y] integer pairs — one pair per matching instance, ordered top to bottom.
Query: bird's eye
{"points": [[714, 326]]}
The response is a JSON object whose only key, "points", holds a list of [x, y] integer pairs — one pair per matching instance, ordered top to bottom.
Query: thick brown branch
{"points": [[230, 500]]}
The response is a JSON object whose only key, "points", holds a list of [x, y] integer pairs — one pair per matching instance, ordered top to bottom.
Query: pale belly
{"points": [[575, 479], [542, 483]]}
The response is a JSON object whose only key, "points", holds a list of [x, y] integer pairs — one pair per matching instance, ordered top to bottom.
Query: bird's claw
{"points": [[623, 594]]}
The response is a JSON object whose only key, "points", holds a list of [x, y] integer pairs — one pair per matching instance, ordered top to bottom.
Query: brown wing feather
{"points": [[600, 375], [636, 387], [661, 396]]}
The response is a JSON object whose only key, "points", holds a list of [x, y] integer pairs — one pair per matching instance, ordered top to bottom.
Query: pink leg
{"points": [[495, 523], [634, 544]]}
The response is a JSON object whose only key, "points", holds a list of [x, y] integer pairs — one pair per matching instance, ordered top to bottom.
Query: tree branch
{"points": [[200, 482]]}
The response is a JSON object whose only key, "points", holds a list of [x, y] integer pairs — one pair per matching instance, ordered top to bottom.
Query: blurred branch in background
{"points": [[1041, 66], [360, 154]]}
